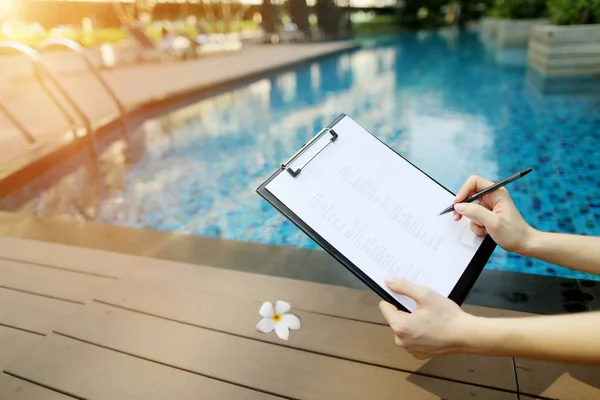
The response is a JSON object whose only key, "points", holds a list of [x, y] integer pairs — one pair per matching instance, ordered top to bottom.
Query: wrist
{"points": [[533, 243], [466, 333], [481, 336]]}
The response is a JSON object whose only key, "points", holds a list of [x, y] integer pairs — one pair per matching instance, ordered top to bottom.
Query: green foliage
{"points": [[519, 9], [473, 10], [574, 12], [422, 13], [382, 24]]}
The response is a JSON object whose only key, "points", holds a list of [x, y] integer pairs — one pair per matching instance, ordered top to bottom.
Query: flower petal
{"points": [[282, 307], [266, 310], [291, 321], [266, 325], [281, 329]]}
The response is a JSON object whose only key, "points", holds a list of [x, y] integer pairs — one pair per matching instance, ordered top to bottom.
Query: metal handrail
{"points": [[81, 52], [39, 67], [41, 72], [22, 129]]}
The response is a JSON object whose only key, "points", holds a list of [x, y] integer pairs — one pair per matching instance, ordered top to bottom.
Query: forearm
{"points": [[581, 253], [565, 338]]}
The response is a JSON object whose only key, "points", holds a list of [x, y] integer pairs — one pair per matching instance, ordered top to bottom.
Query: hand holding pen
{"points": [[488, 189], [495, 214]]}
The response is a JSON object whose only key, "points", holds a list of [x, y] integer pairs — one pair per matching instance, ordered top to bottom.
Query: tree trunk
{"points": [[299, 13], [269, 17], [329, 17]]}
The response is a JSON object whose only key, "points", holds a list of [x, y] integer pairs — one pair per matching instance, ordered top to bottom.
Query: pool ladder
{"points": [[44, 76]]}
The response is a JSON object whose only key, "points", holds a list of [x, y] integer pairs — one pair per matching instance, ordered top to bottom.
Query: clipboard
{"points": [[460, 289]]}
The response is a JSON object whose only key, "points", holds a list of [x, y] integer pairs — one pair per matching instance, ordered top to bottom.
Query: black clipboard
{"points": [[462, 287]]}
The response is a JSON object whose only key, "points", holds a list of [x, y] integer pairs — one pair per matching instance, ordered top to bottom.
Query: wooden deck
{"points": [[87, 324]]}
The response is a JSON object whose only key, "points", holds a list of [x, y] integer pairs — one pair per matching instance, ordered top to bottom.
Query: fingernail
{"points": [[460, 207], [390, 281]]}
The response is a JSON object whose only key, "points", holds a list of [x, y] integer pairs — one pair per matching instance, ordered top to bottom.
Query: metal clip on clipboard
{"points": [[305, 147]]}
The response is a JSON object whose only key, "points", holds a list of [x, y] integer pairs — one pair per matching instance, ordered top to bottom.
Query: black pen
{"points": [[487, 190]]}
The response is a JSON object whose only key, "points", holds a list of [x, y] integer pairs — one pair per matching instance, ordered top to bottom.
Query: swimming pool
{"points": [[440, 100]]}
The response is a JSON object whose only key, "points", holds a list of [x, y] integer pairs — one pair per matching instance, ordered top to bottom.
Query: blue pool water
{"points": [[443, 102]]}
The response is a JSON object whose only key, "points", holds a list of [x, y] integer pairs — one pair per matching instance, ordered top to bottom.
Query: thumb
{"points": [[476, 213], [418, 293]]}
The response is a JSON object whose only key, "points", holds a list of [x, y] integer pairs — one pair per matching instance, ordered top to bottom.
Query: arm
{"points": [[497, 216], [581, 253], [440, 327], [547, 338]]}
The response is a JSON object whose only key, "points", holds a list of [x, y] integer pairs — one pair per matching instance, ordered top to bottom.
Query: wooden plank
{"points": [[59, 256], [50, 282], [326, 299], [357, 304], [361, 305], [31, 312], [353, 340], [13, 343], [275, 369], [94, 373], [559, 381], [567, 387], [12, 388]]}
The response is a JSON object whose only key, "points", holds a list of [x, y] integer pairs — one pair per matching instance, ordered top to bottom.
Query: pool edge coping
{"points": [[106, 126]]}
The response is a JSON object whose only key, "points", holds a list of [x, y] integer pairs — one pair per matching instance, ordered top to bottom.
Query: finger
{"points": [[473, 185], [487, 202], [483, 203], [477, 213], [476, 224], [478, 229], [416, 292], [388, 311], [393, 316], [398, 341], [419, 355]]}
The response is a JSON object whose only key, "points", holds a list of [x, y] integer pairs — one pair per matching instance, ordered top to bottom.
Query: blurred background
{"points": [[96, 22]]}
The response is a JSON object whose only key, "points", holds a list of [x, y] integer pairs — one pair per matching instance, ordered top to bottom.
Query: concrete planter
{"points": [[488, 27], [504, 33], [516, 33], [565, 51], [549, 85]]}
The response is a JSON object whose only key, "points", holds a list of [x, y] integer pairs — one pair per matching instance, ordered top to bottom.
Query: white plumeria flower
{"points": [[277, 319]]}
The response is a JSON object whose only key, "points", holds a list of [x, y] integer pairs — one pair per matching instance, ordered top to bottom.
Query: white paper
{"points": [[378, 210]]}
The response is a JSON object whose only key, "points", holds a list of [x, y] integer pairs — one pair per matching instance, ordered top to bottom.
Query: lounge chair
{"points": [[288, 33], [173, 45]]}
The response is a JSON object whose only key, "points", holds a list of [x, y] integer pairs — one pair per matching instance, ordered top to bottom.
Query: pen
{"points": [[490, 189]]}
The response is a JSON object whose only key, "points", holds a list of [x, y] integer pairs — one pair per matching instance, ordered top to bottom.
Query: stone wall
{"points": [[507, 32], [516, 33], [565, 50]]}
